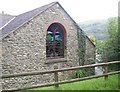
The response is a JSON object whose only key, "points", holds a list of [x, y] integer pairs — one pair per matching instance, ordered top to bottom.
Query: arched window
{"points": [[55, 41]]}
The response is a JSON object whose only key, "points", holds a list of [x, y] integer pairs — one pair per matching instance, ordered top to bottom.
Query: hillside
{"points": [[96, 28]]}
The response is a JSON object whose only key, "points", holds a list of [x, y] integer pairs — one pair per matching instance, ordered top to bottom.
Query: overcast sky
{"points": [[79, 10]]}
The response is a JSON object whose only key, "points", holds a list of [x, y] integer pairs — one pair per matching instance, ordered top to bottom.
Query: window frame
{"points": [[63, 32]]}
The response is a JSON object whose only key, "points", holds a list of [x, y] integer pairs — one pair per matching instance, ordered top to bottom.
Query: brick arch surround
{"points": [[58, 45]]}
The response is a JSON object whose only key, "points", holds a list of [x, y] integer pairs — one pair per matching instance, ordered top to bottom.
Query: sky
{"points": [[79, 10]]}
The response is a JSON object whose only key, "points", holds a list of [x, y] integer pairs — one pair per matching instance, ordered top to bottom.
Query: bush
{"points": [[113, 67], [83, 73]]}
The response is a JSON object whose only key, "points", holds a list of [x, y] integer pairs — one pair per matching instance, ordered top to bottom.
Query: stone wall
{"points": [[24, 49], [90, 52], [0, 64]]}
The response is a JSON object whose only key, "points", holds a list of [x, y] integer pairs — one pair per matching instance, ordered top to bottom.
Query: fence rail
{"points": [[56, 70]]}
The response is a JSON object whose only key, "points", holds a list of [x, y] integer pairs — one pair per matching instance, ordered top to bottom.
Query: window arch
{"points": [[55, 41]]}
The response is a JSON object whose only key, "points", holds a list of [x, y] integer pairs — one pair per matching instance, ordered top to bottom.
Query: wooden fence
{"points": [[56, 70]]}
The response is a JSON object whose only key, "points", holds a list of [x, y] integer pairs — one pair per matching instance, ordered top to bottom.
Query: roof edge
{"points": [[70, 16], [29, 19], [7, 23], [91, 41]]}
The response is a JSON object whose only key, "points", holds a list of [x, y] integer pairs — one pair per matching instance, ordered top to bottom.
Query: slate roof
{"points": [[4, 18], [23, 18]]}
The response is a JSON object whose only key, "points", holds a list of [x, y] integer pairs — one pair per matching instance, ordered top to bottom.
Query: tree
{"points": [[109, 48]]}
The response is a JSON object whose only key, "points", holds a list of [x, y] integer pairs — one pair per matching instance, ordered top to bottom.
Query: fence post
{"points": [[106, 71], [56, 75], [119, 76], [119, 80]]}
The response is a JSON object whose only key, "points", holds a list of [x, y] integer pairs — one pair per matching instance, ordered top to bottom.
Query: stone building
{"points": [[35, 41], [90, 52]]}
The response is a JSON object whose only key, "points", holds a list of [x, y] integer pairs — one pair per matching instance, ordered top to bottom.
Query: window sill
{"points": [[58, 60]]}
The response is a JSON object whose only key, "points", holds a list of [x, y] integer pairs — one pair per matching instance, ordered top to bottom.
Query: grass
{"points": [[92, 84]]}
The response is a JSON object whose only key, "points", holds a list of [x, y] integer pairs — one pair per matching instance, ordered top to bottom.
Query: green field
{"points": [[92, 84]]}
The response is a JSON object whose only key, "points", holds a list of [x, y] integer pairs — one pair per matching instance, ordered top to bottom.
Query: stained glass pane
{"points": [[49, 36], [58, 36]]}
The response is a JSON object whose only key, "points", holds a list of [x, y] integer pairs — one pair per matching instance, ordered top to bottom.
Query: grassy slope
{"points": [[93, 84]]}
